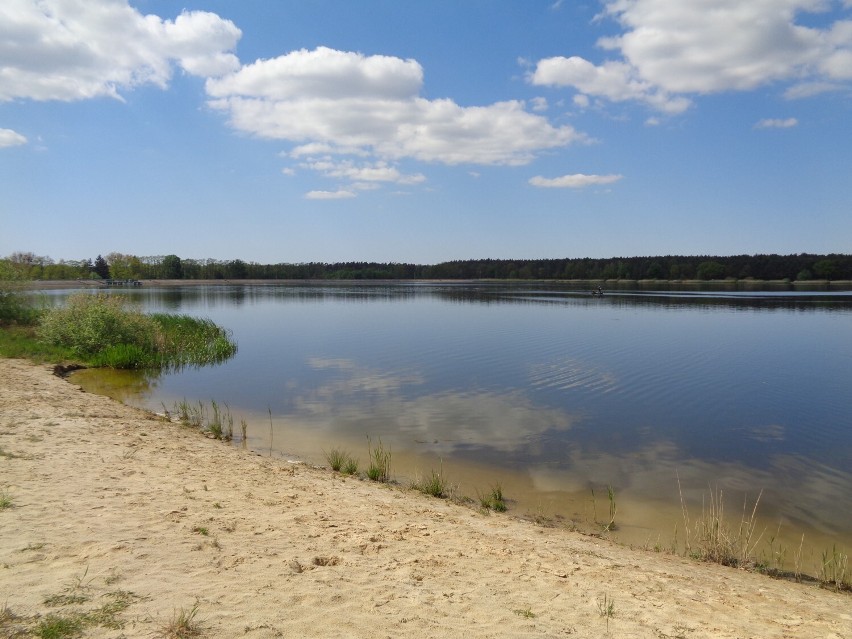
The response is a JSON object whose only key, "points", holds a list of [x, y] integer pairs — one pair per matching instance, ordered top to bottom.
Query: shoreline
{"points": [[751, 285], [109, 499]]}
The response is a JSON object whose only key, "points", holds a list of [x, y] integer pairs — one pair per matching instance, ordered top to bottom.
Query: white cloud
{"points": [[79, 49], [669, 49], [322, 73], [615, 81], [810, 89], [581, 101], [341, 102], [539, 104], [776, 123], [8, 137], [366, 172], [575, 181], [329, 195]]}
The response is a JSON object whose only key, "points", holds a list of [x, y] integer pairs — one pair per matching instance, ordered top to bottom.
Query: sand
{"points": [[122, 520]]}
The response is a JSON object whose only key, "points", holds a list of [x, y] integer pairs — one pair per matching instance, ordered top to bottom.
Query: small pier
{"points": [[112, 283]]}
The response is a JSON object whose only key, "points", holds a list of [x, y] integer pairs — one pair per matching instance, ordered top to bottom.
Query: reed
{"points": [[380, 461], [711, 538], [834, 570]]}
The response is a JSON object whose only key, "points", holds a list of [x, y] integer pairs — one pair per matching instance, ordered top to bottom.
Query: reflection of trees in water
{"points": [[729, 295]]}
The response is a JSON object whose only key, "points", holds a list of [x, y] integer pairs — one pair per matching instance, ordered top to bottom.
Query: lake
{"points": [[555, 394]]}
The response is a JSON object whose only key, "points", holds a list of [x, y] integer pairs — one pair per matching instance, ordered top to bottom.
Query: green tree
{"points": [[101, 267], [124, 267], [172, 267], [825, 269], [710, 271]]}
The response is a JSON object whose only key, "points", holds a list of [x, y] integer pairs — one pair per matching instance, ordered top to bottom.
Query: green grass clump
{"points": [[336, 457], [380, 460], [341, 461], [434, 485], [5, 500], [493, 500], [59, 627]]}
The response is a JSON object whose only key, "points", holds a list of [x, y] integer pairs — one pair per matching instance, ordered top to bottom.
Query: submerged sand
{"points": [[112, 504]]}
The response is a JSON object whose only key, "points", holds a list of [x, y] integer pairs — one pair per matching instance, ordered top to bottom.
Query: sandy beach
{"points": [[121, 520]]}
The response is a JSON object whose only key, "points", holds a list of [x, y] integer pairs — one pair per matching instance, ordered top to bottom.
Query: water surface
{"points": [[552, 392]]}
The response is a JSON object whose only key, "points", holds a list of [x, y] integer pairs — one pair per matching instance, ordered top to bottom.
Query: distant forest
{"points": [[800, 267]]}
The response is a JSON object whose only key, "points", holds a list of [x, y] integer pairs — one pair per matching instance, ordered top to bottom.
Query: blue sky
{"points": [[424, 131]]}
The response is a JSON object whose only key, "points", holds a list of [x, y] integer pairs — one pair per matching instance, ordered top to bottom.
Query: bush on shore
{"points": [[105, 330]]}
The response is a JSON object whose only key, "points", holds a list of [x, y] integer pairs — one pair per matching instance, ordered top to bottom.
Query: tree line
{"points": [[797, 267]]}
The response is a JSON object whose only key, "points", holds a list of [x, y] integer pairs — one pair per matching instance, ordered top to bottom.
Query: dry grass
{"points": [[711, 538], [183, 624]]}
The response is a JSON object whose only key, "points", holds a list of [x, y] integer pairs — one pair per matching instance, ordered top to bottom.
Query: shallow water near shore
{"points": [[552, 392]]}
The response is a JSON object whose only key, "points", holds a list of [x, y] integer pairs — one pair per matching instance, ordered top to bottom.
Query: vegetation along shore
{"points": [[802, 267]]}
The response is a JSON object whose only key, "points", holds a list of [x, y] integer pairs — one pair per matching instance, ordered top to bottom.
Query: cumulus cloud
{"points": [[74, 49], [670, 49], [615, 81], [344, 102], [776, 123], [8, 137], [365, 172], [575, 181], [329, 195]]}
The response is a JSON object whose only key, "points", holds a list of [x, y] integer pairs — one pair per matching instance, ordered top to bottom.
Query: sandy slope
{"points": [[108, 500]]}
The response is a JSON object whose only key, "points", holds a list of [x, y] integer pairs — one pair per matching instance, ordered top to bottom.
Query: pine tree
{"points": [[101, 267]]}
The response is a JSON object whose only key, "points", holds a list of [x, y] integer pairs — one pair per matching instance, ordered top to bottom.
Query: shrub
{"points": [[14, 308], [91, 324], [104, 330]]}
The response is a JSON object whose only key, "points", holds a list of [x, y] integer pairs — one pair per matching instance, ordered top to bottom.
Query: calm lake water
{"points": [[553, 393]]}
